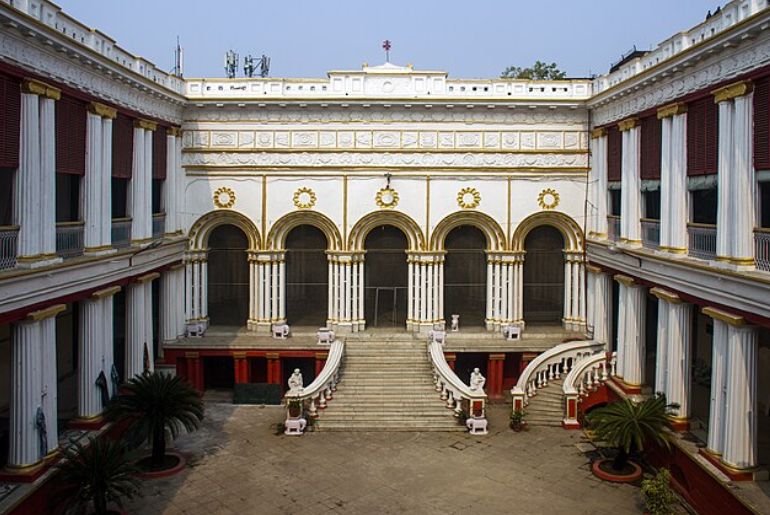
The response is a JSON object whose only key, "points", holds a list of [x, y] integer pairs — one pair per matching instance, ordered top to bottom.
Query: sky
{"points": [[467, 38]]}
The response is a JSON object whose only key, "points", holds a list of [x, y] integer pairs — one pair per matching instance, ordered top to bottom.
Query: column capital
{"points": [[35, 87], [731, 91], [103, 110], [670, 110], [628, 124], [147, 125], [174, 131], [598, 132], [266, 256], [499, 256], [426, 257], [178, 266], [593, 269], [148, 277], [625, 280], [106, 292], [670, 297], [42, 314], [723, 316], [239, 354], [192, 355], [272, 355], [497, 357]]}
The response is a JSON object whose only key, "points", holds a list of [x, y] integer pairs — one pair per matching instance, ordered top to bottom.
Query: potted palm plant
{"points": [[155, 403], [629, 426], [96, 476]]}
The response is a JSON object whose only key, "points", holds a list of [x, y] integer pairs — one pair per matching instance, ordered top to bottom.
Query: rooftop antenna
{"points": [[386, 45], [178, 60], [231, 64], [262, 68]]}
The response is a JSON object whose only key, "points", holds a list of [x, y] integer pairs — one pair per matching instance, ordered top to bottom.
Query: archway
{"points": [[465, 275], [228, 276], [307, 276], [544, 276], [386, 277]]}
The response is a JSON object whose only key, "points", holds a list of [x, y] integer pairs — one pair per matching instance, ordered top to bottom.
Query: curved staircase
{"points": [[387, 385], [547, 407]]}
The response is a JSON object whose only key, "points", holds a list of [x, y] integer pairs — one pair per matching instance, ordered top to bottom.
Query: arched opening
{"points": [[465, 275], [228, 276], [307, 276], [544, 276], [386, 278]]}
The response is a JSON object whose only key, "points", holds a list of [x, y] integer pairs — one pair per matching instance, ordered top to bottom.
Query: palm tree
{"points": [[154, 403], [629, 425], [99, 473]]}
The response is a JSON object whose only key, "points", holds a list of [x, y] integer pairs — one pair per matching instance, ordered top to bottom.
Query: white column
{"points": [[148, 136], [665, 182], [742, 183], [598, 184], [92, 185], [171, 188], [678, 194], [47, 200], [138, 202], [105, 203], [27, 213], [630, 216], [725, 224], [421, 277], [504, 282], [204, 287], [576, 288], [189, 289], [282, 289], [410, 289], [273, 290], [330, 290], [440, 290], [261, 291], [348, 291], [581, 291], [253, 292], [335, 292], [354, 292], [361, 292], [518, 293], [429, 294], [511, 294], [169, 295], [490, 296], [496, 301], [602, 307], [567, 316], [149, 327], [139, 329], [108, 340], [661, 353], [90, 355], [634, 355], [678, 356], [719, 356], [620, 360], [26, 380], [50, 380], [740, 443]]}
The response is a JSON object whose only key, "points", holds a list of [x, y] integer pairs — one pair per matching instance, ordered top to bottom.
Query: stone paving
{"points": [[238, 465]]}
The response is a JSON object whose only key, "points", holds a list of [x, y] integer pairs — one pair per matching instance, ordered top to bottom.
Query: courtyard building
{"points": [[600, 238]]}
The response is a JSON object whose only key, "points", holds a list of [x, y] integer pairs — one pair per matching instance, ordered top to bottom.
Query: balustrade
{"points": [[158, 225], [613, 227], [121, 232], [650, 233], [8, 235], [69, 239], [702, 240], [762, 249], [584, 378], [453, 390]]}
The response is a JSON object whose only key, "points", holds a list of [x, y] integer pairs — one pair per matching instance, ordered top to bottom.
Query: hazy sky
{"points": [[467, 38]]}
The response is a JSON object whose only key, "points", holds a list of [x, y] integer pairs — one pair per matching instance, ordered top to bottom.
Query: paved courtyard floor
{"points": [[238, 465]]}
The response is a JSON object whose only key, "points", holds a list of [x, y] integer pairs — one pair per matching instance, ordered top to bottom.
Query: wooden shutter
{"points": [[10, 121], [762, 123], [70, 136], [702, 137], [651, 141], [122, 146], [159, 153], [614, 153]]}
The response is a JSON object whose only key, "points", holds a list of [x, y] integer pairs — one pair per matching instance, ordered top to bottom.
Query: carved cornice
{"points": [[732, 91], [672, 110]]}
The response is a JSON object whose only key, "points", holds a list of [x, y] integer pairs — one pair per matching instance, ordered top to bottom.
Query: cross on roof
{"points": [[386, 46]]}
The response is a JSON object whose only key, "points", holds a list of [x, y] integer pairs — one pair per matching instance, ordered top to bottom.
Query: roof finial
{"points": [[386, 46]]}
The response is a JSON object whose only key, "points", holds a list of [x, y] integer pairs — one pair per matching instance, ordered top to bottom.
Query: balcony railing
{"points": [[158, 225], [613, 227], [121, 232], [650, 233], [8, 235], [69, 239], [703, 240], [762, 248]]}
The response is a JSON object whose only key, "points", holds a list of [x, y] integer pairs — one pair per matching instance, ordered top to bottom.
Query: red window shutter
{"points": [[10, 121], [762, 123], [70, 136], [702, 137], [651, 140], [122, 146], [159, 153], [614, 153]]}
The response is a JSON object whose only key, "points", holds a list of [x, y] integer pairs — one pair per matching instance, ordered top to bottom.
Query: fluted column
{"points": [[173, 178], [673, 179], [141, 182], [743, 183], [598, 185], [724, 186], [94, 187], [47, 200], [105, 202], [631, 213], [568, 283], [518, 289], [361, 291], [170, 294], [411, 296], [490, 296], [107, 297], [330, 300], [196, 309], [251, 323], [139, 325], [31, 345], [631, 348], [661, 352], [674, 352], [90, 355], [718, 398]]}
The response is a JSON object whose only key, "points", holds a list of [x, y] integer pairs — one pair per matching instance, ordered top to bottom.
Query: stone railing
{"points": [[158, 225], [613, 227], [121, 232], [650, 233], [8, 236], [69, 239], [702, 240], [761, 249], [551, 364], [587, 375], [453, 390], [315, 395]]}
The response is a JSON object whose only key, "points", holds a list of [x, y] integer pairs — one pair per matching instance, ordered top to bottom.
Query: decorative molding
{"points": [[35, 87], [732, 91], [103, 110], [672, 110], [628, 124], [147, 125], [174, 131], [598, 133], [464, 160], [224, 198], [304, 198], [386, 198], [468, 198], [548, 198], [148, 278], [624, 279], [106, 292], [670, 297], [48, 312], [724, 316]]}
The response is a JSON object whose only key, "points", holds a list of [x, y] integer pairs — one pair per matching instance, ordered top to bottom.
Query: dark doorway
{"points": [[465, 275], [544, 276], [228, 277], [307, 277], [385, 277], [650, 339], [467, 361], [305, 365], [218, 372]]}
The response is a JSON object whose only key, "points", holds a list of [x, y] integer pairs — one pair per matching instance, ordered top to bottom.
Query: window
{"points": [[10, 121], [762, 123], [70, 136], [702, 137], [122, 146], [650, 148], [614, 154], [158, 168], [157, 195], [6, 196], [67, 197], [119, 197], [615, 202], [651, 204], [764, 204], [704, 206]]}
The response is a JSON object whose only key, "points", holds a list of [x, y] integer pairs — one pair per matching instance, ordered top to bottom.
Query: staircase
{"points": [[387, 385], [547, 407]]}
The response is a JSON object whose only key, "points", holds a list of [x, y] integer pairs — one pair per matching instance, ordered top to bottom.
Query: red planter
{"points": [[156, 474], [615, 478]]}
